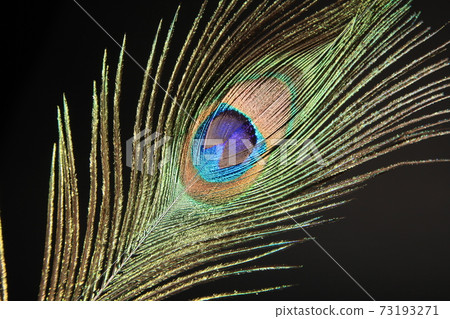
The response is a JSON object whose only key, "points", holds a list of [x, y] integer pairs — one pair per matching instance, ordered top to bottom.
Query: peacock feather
{"points": [[251, 134]]}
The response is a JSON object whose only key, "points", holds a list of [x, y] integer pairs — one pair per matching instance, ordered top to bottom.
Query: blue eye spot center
{"points": [[236, 133], [226, 145]]}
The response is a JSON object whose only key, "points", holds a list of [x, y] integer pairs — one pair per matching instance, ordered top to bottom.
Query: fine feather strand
{"points": [[3, 282]]}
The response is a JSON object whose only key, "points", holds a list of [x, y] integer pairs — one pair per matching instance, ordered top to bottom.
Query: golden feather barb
{"points": [[168, 233], [3, 282]]}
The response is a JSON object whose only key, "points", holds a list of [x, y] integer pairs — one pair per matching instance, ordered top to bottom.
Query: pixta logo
{"points": [[141, 148]]}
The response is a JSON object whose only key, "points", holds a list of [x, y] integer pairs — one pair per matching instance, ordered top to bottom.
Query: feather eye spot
{"points": [[226, 145], [224, 150]]}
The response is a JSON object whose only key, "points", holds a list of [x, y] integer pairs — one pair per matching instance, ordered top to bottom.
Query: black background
{"points": [[394, 239]]}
